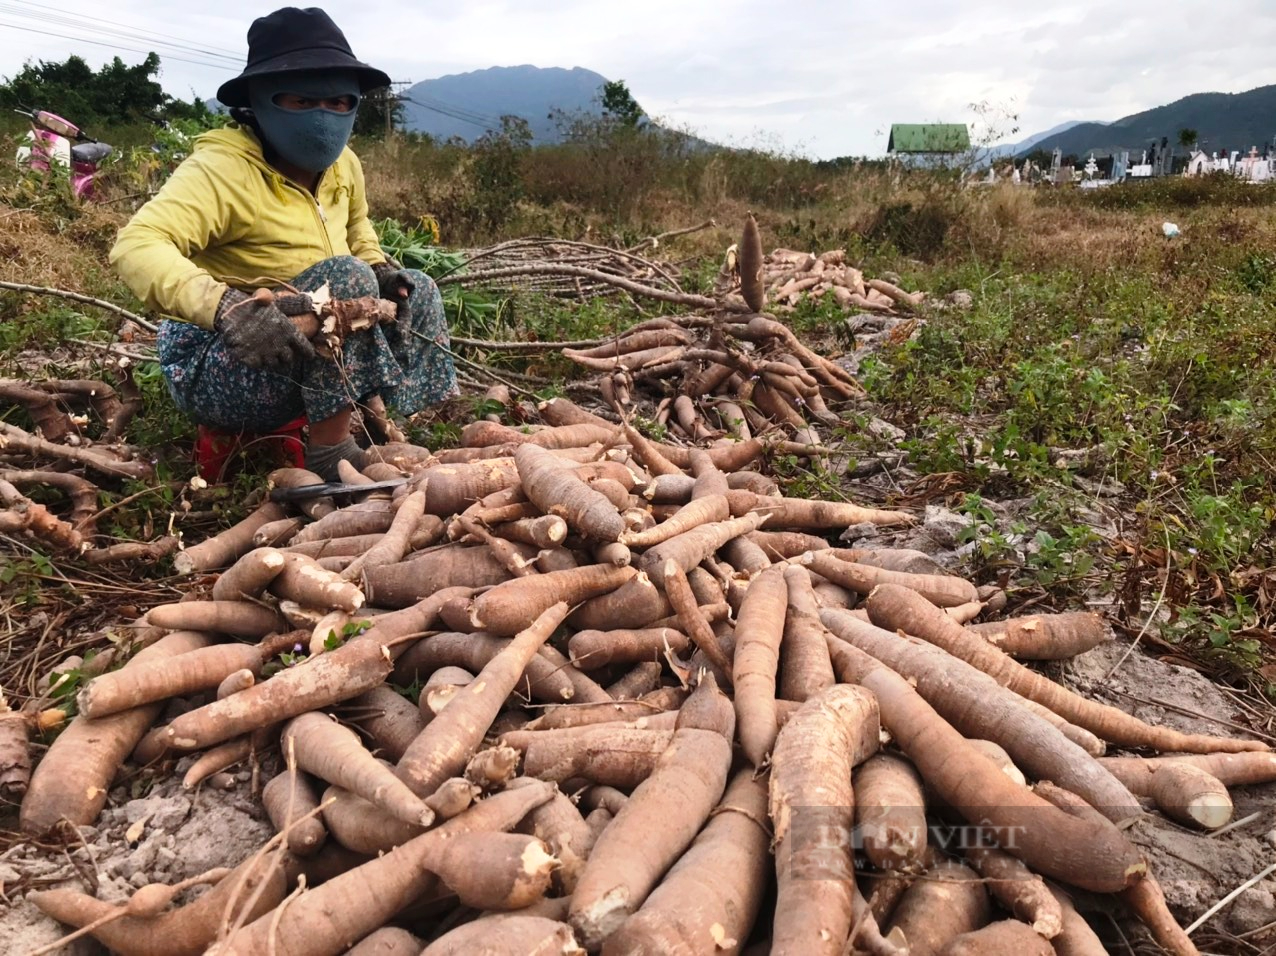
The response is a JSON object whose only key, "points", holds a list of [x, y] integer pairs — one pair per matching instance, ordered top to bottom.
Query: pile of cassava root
{"points": [[791, 276], [736, 376], [658, 714]]}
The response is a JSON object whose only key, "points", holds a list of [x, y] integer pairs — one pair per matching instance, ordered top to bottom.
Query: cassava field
{"points": [[694, 565]]}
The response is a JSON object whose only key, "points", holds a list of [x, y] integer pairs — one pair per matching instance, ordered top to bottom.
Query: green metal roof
{"points": [[928, 138]]}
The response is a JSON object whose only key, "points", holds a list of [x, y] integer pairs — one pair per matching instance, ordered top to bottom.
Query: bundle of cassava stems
{"points": [[658, 713]]}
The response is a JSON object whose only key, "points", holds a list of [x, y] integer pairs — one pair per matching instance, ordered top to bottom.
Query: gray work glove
{"points": [[394, 284], [259, 334]]}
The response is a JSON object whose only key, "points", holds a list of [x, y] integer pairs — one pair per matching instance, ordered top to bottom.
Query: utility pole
{"points": [[391, 100]]}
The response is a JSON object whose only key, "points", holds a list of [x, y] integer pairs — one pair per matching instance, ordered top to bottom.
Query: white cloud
{"points": [[825, 78]]}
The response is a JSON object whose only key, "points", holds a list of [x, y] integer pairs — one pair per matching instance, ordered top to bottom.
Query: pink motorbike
{"points": [[54, 140]]}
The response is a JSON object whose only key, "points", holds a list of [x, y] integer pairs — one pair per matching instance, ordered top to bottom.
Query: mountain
{"points": [[469, 104], [1222, 121], [1025, 145]]}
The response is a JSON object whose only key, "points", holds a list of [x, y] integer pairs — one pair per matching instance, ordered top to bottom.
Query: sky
{"points": [[820, 79]]}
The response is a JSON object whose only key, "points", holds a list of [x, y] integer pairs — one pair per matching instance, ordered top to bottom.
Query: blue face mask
{"points": [[309, 139]]}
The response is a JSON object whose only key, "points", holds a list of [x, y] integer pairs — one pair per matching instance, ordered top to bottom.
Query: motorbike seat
{"points": [[89, 152]]}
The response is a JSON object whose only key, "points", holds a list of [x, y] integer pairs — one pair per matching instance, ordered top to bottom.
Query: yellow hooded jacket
{"points": [[228, 218]]}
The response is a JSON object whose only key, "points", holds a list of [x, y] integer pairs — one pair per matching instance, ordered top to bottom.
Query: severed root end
{"points": [[1190, 795], [1211, 810], [601, 918], [1048, 925]]}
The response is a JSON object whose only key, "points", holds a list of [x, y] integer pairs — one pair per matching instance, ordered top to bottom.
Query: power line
{"points": [[128, 35], [118, 47], [224, 51], [461, 110], [452, 114]]}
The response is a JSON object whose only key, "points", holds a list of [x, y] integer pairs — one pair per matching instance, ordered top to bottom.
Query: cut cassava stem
{"points": [[14, 440], [27, 517]]}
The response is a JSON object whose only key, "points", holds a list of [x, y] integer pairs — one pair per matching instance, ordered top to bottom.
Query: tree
{"points": [[115, 93], [620, 104], [373, 109], [1187, 138], [498, 170]]}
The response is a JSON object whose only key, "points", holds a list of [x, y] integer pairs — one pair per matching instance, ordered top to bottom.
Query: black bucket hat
{"points": [[292, 39]]}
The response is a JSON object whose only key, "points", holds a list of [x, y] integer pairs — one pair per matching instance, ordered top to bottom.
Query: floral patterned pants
{"points": [[408, 371]]}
